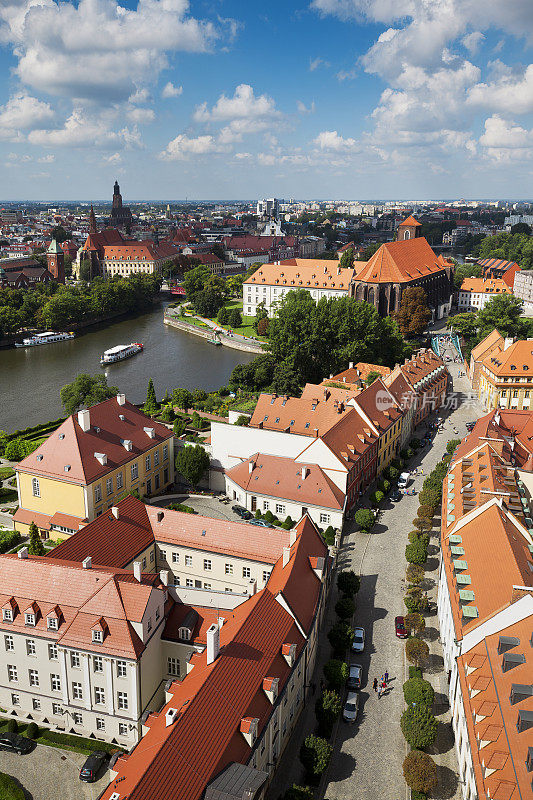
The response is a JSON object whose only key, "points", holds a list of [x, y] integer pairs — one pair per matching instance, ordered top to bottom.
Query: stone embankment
{"points": [[234, 341]]}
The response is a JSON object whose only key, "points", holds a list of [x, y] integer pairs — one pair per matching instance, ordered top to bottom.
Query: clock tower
{"points": [[55, 259]]}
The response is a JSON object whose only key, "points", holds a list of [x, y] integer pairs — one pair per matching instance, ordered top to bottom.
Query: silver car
{"points": [[358, 644], [355, 677], [351, 707]]}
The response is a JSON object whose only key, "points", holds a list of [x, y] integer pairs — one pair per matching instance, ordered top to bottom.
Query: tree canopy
{"points": [[509, 246], [347, 258], [413, 314], [86, 390], [192, 463]]}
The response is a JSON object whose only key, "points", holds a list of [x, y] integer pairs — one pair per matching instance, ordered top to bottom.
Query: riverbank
{"points": [[233, 341]]}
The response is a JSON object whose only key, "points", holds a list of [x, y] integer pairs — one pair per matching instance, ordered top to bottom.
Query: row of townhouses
{"points": [[501, 372], [485, 605]]}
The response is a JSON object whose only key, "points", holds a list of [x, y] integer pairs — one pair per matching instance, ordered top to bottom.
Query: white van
{"points": [[403, 480]]}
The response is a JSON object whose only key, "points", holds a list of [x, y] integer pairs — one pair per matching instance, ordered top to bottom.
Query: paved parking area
{"points": [[203, 504], [48, 773]]}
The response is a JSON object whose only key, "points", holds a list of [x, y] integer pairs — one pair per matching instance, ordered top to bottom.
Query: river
{"points": [[32, 377]]}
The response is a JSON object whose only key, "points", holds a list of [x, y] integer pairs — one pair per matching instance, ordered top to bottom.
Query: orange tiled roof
{"points": [[411, 222], [400, 262], [304, 274], [488, 286], [493, 340], [516, 360], [360, 372]]}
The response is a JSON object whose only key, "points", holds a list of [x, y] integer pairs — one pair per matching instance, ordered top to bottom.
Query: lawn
{"points": [[247, 329], [6, 472], [65, 741]]}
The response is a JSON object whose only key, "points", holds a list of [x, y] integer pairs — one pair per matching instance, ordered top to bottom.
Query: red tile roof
{"points": [[411, 222], [400, 262]]}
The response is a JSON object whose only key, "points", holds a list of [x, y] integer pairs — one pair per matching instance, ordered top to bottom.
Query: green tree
{"points": [[521, 227], [59, 234], [368, 252], [347, 259], [85, 272], [195, 281], [504, 313], [260, 314], [413, 314], [222, 316], [234, 318], [10, 320], [372, 376], [285, 379], [86, 390], [199, 395], [182, 398], [151, 405], [242, 420], [178, 429], [452, 445], [15, 450], [192, 463], [364, 518], [36, 546], [414, 573], [348, 583], [345, 608], [414, 623], [340, 637], [416, 651], [336, 673], [419, 692], [327, 709], [419, 726], [315, 754], [420, 772], [298, 793]]}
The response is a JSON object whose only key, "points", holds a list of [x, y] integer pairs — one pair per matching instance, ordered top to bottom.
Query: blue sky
{"points": [[354, 99]]}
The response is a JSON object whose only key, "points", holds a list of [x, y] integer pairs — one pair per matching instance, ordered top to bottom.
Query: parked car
{"points": [[470, 425], [403, 480], [395, 496], [241, 512], [262, 523], [399, 627], [358, 644], [355, 677], [351, 707], [15, 743], [92, 766]]}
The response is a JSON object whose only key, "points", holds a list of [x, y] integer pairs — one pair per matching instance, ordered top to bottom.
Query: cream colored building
{"points": [[506, 377]]}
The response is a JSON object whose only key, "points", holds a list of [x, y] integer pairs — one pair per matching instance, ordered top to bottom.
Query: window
{"points": [[165, 452], [156, 458], [148, 462], [134, 471], [120, 480], [109, 485], [35, 487], [98, 494], [265, 505], [280, 508], [324, 518], [163, 554], [151, 556], [188, 561], [207, 564], [143, 565], [228, 569], [246, 572], [266, 575], [189, 582], [207, 585], [157, 613], [7, 614], [51, 623], [149, 625], [184, 633], [98, 636], [10, 644], [30, 647], [52, 652], [74, 659], [98, 664], [173, 666], [121, 669], [12, 673], [34, 677], [55, 683], [77, 691], [99, 696], [15, 700], [122, 700], [36, 704], [56, 709], [78, 719], [100, 724], [122, 729]]}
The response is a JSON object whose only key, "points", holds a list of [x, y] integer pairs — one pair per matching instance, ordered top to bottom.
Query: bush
{"points": [[242, 421], [414, 444], [452, 444], [192, 463], [393, 473], [377, 497], [181, 507], [425, 512], [258, 514], [269, 516], [365, 519], [289, 522], [422, 524], [329, 536], [8, 540], [416, 554], [414, 573], [348, 582], [345, 608], [415, 623], [340, 638], [416, 651], [415, 672], [336, 673], [418, 691], [327, 709], [12, 726], [419, 727], [32, 731], [76, 741], [315, 754], [420, 773], [9, 788], [299, 793], [418, 795]]}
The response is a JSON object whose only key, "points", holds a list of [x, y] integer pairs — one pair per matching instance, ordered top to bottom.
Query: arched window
{"points": [[407, 234], [185, 634]]}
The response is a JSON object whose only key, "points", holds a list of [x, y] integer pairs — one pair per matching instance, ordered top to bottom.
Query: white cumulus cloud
{"points": [[169, 90]]}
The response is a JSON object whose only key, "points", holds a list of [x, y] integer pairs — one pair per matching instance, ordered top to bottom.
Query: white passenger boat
{"points": [[44, 338], [120, 352]]}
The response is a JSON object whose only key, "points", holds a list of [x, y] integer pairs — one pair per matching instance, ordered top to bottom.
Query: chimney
{"points": [[507, 343], [350, 365], [121, 399], [84, 420], [128, 444], [101, 458], [251, 466], [305, 472], [115, 512], [160, 515], [292, 537], [23, 552], [286, 555], [87, 563], [137, 571], [163, 575], [213, 643], [171, 716]]}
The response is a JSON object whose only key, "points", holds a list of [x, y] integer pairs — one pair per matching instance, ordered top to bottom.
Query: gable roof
{"points": [[400, 262], [303, 274], [493, 340], [514, 361]]}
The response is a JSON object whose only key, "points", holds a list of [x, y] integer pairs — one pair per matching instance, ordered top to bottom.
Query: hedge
{"points": [[9, 540], [77, 742], [9, 788]]}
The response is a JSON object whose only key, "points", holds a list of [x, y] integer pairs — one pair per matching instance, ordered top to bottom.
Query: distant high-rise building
{"points": [[268, 208]]}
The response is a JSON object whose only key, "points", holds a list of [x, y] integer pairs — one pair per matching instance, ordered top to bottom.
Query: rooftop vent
{"points": [[121, 399], [121, 417], [84, 420], [150, 432], [61, 436], [128, 444], [39, 457], [101, 457], [67, 467], [115, 511], [160, 515], [23, 552], [87, 563], [506, 643], [512, 660], [520, 691], [171, 716]]}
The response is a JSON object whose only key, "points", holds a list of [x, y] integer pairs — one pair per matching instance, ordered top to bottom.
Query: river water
{"points": [[30, 378]]}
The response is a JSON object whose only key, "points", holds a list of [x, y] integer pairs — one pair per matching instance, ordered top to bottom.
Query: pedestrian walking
{"points": [[386, 677], [375, 684], [380, 691]]}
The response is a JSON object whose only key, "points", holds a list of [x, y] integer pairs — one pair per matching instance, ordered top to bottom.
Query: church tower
{"points": [[117, 197], [92, 221], [410, 228], [55, 259]]}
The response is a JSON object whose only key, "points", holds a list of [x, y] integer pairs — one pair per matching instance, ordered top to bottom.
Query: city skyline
{"points": [[333, 98]]}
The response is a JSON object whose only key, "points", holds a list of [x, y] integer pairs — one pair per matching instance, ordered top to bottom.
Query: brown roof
{"points": [[400, 262], [304, 274], [493, 340], [516, 360], [360, 372], [308, 416], [70, 446], [276, 476]]}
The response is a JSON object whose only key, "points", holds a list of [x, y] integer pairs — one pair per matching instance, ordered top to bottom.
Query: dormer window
{"points": [[7, 614], [29, 618], [52, 623], [184, 633], [98, 636]]}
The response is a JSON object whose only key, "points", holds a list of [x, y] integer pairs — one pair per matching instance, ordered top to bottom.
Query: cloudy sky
{"points": [[214, 99]]}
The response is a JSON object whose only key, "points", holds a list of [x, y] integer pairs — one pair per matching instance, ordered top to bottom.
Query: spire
{"points": [[92, 221]]}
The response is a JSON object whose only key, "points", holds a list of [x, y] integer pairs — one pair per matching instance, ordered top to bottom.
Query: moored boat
{"points": [[48, 337], [120, 352]]}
